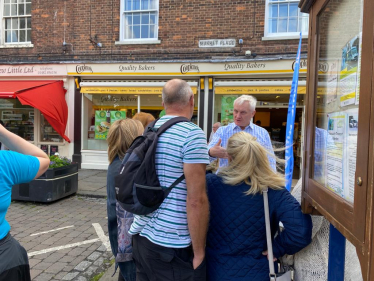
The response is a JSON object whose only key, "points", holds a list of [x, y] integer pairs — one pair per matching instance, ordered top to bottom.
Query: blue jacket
{"points": [[237, 237], [127, 268]]}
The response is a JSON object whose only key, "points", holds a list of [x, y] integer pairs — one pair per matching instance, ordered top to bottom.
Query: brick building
{"points": [[115, 56]]}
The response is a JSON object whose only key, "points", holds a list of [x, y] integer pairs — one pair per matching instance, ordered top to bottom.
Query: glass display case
{"points": [[338, 173]]}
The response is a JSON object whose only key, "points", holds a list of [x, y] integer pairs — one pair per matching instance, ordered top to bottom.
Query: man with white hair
{"points": [[244, 110]]}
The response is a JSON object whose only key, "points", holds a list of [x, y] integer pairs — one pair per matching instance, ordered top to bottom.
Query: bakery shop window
{"points": [[99, 112]]}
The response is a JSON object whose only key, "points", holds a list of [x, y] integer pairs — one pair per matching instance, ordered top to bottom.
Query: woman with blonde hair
{"points": [[144, 118], [120, 136], [236, 242]]}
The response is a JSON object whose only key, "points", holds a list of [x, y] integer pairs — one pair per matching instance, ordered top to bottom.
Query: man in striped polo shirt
{"points": [[244, 110], [169, 243]]}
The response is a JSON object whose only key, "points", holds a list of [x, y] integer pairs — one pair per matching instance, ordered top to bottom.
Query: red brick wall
{"points": [[182, 24]]}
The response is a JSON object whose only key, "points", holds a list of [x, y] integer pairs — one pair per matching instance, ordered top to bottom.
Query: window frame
{"points": [[280, 35], [123, 40], [3, 43]]}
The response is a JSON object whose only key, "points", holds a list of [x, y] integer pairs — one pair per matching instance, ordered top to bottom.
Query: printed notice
{"points": [[359, 71], [348, 72], [332, 82], [347, 89], [351, 152], [335, 153], [341, 153]]}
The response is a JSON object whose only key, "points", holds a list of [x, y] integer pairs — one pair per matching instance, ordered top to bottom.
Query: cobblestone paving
{"points": [[92, 183], [50, 256]]}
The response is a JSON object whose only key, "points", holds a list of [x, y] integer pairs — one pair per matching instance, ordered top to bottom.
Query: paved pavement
{"points": [[92, 183], [67, 239]]}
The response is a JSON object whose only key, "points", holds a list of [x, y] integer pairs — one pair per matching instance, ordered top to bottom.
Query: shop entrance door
{"points": [[274, 120]]}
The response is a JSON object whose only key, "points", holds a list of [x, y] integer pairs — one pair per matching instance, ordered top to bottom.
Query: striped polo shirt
{"points": [[184, 142]]}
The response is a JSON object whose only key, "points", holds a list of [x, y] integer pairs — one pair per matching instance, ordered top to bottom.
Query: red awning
{"points": [[47, 96]]}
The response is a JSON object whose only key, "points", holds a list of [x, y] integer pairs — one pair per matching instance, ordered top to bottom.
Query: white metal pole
{"points": [[206, 99]]}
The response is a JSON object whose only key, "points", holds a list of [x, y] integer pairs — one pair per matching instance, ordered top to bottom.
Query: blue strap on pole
{"points": [[291, 120], [336, 255]]}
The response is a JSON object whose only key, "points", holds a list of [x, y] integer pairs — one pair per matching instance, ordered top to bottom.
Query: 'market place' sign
{"points": [[217, 43]]}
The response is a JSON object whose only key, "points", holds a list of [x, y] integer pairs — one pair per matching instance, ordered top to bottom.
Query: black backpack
{"points": [[138, 189]]}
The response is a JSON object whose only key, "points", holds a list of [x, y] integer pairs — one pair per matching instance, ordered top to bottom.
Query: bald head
{"points": [[176, 92], [216, 126]]}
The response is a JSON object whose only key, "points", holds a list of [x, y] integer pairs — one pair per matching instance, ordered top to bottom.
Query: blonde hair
{"points": [[144, 118], [140, 127], [121, 135], [249, 163]]}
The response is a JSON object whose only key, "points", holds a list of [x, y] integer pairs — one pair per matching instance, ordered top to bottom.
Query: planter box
{"points": [[53, 185]]}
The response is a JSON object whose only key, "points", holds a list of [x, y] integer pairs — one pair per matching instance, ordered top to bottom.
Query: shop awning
{"points": [[126, 87], [256, 87], [47, 96]]}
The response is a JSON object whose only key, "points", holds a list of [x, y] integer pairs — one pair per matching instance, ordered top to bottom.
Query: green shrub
{"points": [[57, 161]]}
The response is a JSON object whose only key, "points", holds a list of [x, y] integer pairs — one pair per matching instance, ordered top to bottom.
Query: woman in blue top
{"points": [[120, 136], [24, 163], [236, 241]]}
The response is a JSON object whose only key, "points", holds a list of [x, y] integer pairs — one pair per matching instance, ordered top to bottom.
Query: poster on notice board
{"points": [[359, 71], [348, 72], [332, 82], [335, 152], [351, 152], [341, 153]]}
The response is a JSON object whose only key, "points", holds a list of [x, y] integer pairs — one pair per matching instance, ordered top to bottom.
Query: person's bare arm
{"points": [[18, 144], [217, 151], [197, 209]]}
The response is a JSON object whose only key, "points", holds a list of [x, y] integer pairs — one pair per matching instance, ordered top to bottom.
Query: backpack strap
{"points": [[170, 123], [151, 126], [161, 130], [177, 181]]}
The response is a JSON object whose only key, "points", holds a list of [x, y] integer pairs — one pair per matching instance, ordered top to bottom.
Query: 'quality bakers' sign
{"points": [[244, 66], [191, 69], [33, 70]]}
